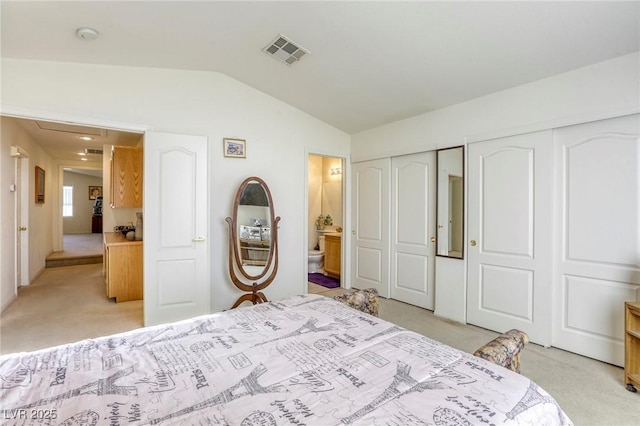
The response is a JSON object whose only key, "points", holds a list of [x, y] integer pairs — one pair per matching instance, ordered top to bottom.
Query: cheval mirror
{"points": [[253, 240]]}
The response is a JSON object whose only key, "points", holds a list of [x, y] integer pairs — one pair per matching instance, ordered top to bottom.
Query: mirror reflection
{"points": [[450, 202], [254, 228]]}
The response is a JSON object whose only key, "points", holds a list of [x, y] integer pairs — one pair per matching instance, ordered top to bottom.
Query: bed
{"points": [[304, 360]]}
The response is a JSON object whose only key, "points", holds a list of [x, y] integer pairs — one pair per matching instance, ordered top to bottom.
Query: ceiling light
{"points": [[86, 33], [284, 50], [86, 138], [82, 153], [84, 159]]}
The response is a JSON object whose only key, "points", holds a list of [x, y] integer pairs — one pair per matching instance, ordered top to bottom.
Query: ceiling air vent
{"points": [[285, 50], [93, 151]]}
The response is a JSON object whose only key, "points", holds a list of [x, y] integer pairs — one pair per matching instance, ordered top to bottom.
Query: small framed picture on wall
{"points": [[235, 148], [95, 192]]}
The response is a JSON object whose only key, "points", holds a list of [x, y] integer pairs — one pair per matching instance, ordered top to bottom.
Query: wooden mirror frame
{"points": [[271, 266]]}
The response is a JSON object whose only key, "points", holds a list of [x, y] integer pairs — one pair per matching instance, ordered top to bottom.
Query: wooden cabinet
{"points": [[126, 177], [96, 224], [332, 255], [122, 267], [632, 345]]}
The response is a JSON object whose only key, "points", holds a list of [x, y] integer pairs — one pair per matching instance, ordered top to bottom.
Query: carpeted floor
{"points": [[78, 249], [324, 281], [64, 305]]}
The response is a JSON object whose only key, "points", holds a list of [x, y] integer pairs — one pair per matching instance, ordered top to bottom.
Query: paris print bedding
{"points": [[304, 360]]}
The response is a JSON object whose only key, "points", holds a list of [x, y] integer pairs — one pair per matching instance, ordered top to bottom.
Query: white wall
{"points": [[603, 90], [202, 103]]}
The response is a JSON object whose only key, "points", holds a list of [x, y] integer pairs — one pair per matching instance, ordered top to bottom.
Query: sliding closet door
{"points": [[413, 211], [370, 219], [509, 233], [598, 235]]}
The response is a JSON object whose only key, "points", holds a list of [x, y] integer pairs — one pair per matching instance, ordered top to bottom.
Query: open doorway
{"points": [[58, 147], [68, 155], [325, 186]]}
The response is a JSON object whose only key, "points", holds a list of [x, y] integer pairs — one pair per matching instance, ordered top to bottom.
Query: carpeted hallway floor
{"points": [[78, 249], [64, 304]]}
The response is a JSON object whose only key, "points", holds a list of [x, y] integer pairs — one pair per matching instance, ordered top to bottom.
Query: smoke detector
{"points": [[86, 33], [284, 50]]}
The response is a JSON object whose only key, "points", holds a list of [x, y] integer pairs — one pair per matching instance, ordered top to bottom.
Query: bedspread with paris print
{"points": [[304, 360]]}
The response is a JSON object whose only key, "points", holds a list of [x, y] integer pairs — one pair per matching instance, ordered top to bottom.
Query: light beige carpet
{"points": [[64, 305]]}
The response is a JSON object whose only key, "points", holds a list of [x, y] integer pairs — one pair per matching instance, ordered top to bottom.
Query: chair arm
{"points": [[364, 300], [505, 349]]}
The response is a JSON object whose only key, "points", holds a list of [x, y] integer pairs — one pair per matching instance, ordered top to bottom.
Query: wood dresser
{"points": [[632, 346]]}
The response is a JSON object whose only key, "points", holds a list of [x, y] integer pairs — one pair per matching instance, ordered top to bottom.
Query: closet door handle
{"points": [[199, 239]]}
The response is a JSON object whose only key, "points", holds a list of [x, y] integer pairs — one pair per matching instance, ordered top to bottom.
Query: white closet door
{"points": [[413, 202], [370, 219], [598, 235], [176, 247], [509, 247]]}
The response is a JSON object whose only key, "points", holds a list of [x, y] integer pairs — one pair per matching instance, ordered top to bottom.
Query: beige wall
{"points": [[80, 222], [39, 226]]}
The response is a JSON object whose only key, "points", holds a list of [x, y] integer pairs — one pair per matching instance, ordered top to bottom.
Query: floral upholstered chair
{"points": [[363, 300], [505, 349]]}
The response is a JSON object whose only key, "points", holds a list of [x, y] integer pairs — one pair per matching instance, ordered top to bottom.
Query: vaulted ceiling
{"points": [[368, 63]]}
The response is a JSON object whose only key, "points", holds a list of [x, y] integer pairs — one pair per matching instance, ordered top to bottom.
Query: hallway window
{"points": [[67, 201]]}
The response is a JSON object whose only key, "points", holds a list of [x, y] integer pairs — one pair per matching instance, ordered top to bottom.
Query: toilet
{"points": [[316, 257]]}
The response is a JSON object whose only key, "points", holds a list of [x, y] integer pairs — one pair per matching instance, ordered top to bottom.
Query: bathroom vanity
{"points": [[332, 255]]}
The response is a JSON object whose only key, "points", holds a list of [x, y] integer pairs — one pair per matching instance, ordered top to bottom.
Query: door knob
{"points": [[22, 228], [199, 239], [433, 239], [473, 243]]}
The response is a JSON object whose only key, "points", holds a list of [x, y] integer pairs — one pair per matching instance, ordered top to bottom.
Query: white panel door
{"points": [[413, 209], [597, 214], [370, 219], [176, 248], [509, 252]]}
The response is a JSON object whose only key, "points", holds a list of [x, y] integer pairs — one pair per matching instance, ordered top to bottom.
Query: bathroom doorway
{"points": [[325, 220]]}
